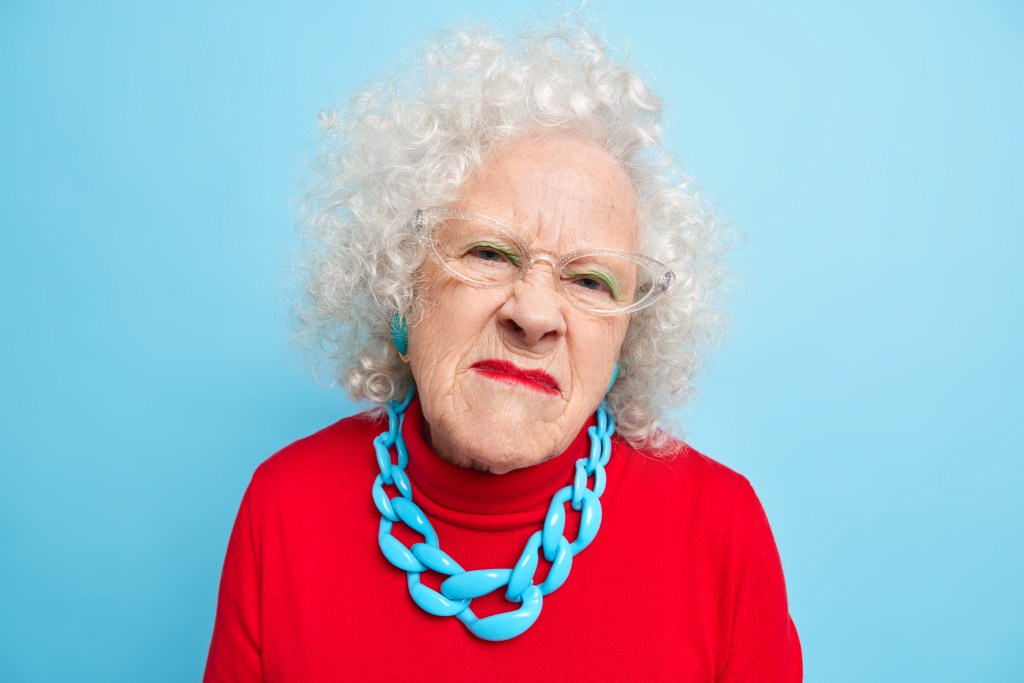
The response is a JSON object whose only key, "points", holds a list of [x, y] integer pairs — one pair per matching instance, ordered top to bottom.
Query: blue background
{"points": [[872, 155]]}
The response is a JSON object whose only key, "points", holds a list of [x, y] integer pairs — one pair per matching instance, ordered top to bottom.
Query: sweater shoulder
{"points": [[337, 450], [686, 468], [688, 486]]}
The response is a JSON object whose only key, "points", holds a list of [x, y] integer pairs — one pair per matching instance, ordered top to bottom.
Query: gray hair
{"points": [[413, 136]]}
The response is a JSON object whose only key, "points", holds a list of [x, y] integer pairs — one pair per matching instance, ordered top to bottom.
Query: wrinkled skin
{"points": [[562, 194]]}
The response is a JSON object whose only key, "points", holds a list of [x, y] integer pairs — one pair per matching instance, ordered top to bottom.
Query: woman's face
{"points": [[473, 350]]}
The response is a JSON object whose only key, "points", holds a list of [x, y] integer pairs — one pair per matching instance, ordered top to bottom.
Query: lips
{"points": [[504, 371]]}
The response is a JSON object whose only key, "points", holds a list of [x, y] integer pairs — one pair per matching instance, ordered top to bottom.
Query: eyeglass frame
{"points": [[663, 277]]}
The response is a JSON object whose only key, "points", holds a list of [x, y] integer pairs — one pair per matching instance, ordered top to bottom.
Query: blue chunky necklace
{"points": [[461, 586]]}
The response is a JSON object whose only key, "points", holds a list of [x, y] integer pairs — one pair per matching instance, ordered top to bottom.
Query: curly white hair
{"points": [[411, 138]]}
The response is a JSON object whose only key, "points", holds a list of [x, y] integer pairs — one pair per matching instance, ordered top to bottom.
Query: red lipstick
{"points": [[504, 371]]}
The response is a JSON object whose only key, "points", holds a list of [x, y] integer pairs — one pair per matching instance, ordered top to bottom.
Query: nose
{"points": [[533, 316]]}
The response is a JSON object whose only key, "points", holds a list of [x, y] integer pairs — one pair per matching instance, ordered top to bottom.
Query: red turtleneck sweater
{"points": [[683, 581]]}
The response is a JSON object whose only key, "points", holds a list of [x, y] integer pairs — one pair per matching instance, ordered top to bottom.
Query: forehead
{"points": [[562, 194]]}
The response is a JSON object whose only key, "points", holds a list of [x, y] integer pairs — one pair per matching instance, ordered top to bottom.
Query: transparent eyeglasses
{"points": [[486, 253]]}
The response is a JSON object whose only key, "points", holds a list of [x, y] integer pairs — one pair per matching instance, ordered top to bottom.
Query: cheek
{"points": [[455, 319], [430, 340], [596, 350]]}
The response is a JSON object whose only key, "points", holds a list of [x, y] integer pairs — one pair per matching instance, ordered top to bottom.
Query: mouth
{"points": [[510, 373]]}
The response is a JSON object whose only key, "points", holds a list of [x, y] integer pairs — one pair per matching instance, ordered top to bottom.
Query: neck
{"points": [[449, 452]]}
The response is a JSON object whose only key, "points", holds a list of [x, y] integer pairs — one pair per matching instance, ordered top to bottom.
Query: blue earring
{"points": [[400, 336], [615, 376]]}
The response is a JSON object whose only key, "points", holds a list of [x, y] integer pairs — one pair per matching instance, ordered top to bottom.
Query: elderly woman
{"points": [[507, 263]]}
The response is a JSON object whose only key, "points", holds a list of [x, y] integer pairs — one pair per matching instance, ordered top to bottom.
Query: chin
{"points": [[502, 428]]}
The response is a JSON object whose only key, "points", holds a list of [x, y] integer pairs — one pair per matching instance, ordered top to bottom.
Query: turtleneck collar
{"points": [[485, 500]]}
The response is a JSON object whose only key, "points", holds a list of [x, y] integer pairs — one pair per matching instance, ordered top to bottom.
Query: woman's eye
{"points": [[490, 253], [594, 282], [591, 283]]}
